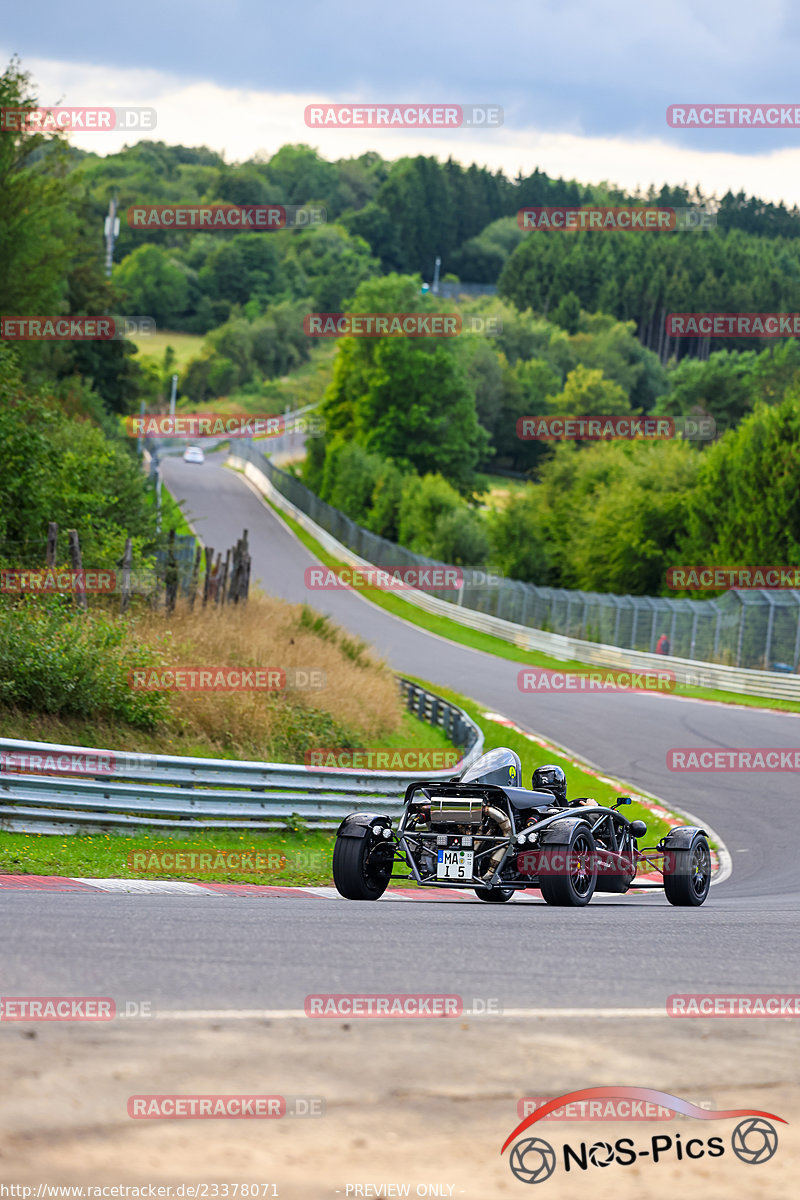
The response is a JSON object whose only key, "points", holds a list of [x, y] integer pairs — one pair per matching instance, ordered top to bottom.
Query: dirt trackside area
{"points": [[421, 1103]]}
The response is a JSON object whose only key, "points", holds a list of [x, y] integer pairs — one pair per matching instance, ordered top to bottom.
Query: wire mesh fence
{"points": [[757, 628]]}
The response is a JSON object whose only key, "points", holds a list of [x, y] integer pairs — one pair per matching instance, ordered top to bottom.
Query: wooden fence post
{"points": [[52, 543], [209, 552], [77, 565], [235, 569], [243, 569], [171, 574], [195, 575], [126, 576], [224, 579], [246, 581]]}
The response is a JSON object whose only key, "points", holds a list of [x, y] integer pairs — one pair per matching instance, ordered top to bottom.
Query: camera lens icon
{"points": [[754, 1140], [601, 1154], [532, 1161]]}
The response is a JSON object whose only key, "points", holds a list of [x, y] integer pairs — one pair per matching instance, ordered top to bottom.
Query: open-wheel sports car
{"points": [[481, 830]]}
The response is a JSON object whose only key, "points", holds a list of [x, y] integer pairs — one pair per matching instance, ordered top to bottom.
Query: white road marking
{"points": [[149, 886], [298, 1014]]}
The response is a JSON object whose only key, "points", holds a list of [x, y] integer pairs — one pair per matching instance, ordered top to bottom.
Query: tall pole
{"points": [[111, 230], [435, 288], [173, 395]]}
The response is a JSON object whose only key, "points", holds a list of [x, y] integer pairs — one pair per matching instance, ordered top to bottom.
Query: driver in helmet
{"points": [[551, 778]]}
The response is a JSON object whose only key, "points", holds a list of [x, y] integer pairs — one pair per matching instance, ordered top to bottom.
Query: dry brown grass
{"points": [[360, 700]]}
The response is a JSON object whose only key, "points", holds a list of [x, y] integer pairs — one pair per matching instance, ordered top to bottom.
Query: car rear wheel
{"points": [[362, 867], [571, 875], [688, 878], [496, 895]]}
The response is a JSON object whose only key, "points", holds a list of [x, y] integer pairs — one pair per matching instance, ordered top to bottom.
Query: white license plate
{"points": [[454, 864]]}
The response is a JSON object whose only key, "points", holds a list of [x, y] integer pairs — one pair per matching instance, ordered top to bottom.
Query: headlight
{"points": [[521, 839]]}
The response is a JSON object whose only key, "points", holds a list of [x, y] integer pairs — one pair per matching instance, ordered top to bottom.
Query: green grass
{"points": [[185, 345], [305, 385], [500, 490], [172, 516], [486, 642], [287, 858]]}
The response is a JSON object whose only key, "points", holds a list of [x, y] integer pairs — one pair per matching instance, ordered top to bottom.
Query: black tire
{"points": [[362, 867], [686, 885], [575, 886], [495, 895]]}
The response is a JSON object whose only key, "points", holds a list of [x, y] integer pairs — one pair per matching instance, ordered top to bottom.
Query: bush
{"points": [[435, 521], [58, 661]]}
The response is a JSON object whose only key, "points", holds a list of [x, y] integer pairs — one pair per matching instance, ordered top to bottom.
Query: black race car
{"points": [[482, 830]]}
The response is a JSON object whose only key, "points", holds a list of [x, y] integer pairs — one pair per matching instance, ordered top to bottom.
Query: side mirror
{"points": [[623, 800]]}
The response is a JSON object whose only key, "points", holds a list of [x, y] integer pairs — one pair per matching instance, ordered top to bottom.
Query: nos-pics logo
{"points": [[533, 1160]]}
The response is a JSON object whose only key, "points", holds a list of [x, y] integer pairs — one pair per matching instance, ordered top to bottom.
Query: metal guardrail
{"points": [[694, 672], [119, 790]]}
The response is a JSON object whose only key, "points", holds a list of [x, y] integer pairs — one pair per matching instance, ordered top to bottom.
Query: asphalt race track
{"points": [[232, 953]]}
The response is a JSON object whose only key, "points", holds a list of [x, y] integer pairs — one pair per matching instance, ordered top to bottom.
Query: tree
{"points": [[38, 228], [327, 265], [152, 284], [567, 312], [588, 393], [406, 399], [64, 469], [746, 506], [435, 521]]}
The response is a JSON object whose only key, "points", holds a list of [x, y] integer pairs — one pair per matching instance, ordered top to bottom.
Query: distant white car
{"points": [[193, 454]]}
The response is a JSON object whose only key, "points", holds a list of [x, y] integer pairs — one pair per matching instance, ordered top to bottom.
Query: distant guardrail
{"points": [[694, 672], [120, 790]]}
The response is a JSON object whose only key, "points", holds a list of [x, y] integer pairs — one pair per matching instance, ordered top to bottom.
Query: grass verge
{"points": [[151, 347], [172, 515]]}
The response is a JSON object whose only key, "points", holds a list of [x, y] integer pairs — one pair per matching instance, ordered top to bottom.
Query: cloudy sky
{"points": [[584, 84]]}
